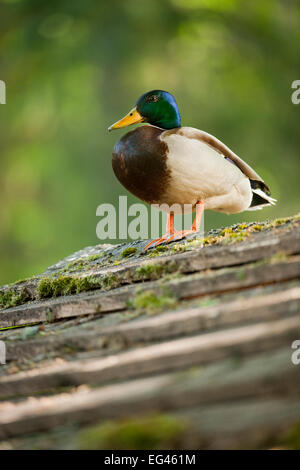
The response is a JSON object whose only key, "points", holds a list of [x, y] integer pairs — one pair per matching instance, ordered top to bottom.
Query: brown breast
{"points": [[140, 163]]}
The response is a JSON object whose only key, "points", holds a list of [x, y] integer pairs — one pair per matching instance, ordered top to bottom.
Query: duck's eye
{"points": [[153, 98], [130, 114]]}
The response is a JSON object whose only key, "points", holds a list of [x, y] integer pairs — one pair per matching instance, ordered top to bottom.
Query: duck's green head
{"points": [[157, 107]]}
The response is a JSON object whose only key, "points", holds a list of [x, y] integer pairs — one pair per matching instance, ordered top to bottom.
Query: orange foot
{"points": [[172, 234], [169, 237]]}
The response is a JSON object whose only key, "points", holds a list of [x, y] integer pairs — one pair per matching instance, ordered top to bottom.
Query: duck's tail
{"points": [[261, 196]]}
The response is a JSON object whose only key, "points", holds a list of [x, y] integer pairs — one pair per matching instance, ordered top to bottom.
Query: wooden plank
{"points": [[262, 246], [258, 247], [235, 278], [185, 287], [63, 307], [262, 307], [157, 358], [225, 368], [267, 377], [247, 424], [253, 424]]}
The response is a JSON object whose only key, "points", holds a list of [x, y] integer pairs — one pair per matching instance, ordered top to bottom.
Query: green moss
{"points": [[281, 221], [242, 227], [256, 228], [226, 231], [227, 236], [235, 237], [210, 240], [195, 242], [179, 247], [160, 249], [128, 252], [95, 257], [278, 257], [80, 263], [75, 265], [155, 270], [147, 271], [241, 274], [27, 279], [110, 281], [87, 283], [62, 285], [66, 285], [44, 288], [12, 298], [150, 302], [153, 432], [291, 440]]}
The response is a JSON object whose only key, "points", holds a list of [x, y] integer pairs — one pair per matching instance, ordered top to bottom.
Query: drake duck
{"points": [[173, 166]]}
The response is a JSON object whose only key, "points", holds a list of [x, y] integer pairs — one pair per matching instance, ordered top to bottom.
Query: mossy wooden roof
{"points": [[185, 346]]}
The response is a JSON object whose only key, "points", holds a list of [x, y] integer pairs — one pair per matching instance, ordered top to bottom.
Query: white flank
{"points": [[199, 172]]}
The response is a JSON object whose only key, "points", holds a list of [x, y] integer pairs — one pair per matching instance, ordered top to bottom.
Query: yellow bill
{"points": [[133, 117]]}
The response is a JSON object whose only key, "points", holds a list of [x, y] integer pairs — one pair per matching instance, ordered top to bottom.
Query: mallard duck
{"points": [[164, 163]]}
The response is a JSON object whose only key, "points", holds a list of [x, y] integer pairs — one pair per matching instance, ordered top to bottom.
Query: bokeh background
{"points": [[73, 67]]}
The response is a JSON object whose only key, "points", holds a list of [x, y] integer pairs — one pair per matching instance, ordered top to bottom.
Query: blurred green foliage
{"points": [[73, 67]]}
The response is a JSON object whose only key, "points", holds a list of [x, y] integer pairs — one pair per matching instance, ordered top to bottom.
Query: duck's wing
{"points": [[261, 191]]}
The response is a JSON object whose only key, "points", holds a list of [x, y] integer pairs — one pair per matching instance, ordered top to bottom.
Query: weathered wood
{"points": [[259, 246], [185, 287], [63, 307], [263, 307], [166, 356], [219, 360], [267, 377], [246, 424], [253, 424]]}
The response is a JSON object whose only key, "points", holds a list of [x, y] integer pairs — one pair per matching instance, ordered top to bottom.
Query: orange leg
{"points": [[169, 232], [172, 234]]}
